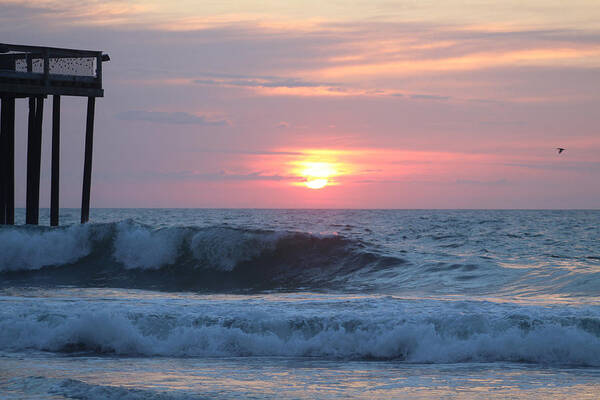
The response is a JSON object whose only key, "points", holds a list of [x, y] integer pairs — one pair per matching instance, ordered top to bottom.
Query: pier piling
{"points": [[34, 160], [7, 161], [87, 165], [55, 173]]}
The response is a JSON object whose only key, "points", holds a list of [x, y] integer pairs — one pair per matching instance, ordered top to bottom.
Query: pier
{"points": [[34, 73]]}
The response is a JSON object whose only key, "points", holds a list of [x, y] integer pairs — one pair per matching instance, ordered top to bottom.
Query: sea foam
{"points": [[31, 248], [440, 334]]}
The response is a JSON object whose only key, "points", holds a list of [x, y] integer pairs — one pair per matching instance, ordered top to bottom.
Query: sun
{"points": [[316, 168], [316, 174], [316, 183]]}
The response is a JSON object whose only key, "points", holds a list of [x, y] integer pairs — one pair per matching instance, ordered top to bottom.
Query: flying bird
{"points": [[560, 150]]}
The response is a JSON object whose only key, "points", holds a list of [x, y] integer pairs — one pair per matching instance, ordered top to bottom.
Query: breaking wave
{"points": [[134, 255], [446, 337]]}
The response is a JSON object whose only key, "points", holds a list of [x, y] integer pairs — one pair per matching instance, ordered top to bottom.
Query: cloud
{"points": [[13, 11], [264, 82], [284, 86], [428, 97], [169, 118], [502, 123], [253, 152], [271, 153], [581, 166], [191, 175], [220, 176], [252, 176], [479, 182]]}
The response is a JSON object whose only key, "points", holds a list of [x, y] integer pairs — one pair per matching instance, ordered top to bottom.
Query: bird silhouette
{"points": [[560, 150]]}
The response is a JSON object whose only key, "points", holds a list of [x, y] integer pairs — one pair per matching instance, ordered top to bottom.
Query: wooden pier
{"points": [[34, 73]]}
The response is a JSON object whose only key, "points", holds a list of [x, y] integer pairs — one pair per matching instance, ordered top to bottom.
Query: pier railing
{"points": [[34, 70]]}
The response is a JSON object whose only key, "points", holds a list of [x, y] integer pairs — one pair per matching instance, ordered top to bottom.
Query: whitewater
{"points": [[187, 303]]}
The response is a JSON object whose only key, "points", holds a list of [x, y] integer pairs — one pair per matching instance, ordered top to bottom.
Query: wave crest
{"points": [[32, 247], [129, 254], [422, 339]]}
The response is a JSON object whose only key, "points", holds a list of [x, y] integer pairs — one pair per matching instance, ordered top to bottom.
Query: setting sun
{"points": [[317, 174], [316, 183]]}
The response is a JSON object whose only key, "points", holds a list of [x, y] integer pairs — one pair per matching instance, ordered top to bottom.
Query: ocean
{"points": [[301, 304]]}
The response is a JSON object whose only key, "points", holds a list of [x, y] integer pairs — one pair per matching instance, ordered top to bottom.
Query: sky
{"points": [[326, 104]]}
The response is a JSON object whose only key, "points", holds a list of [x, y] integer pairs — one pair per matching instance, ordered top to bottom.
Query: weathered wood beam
{"points": [[38, 50], [52, 55], [37, 76], [38, 90], [9, 144], [3, 151], [30, 152], [7, 153], [34, 154], [7, 161], [87, 166], [55, 174]]}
